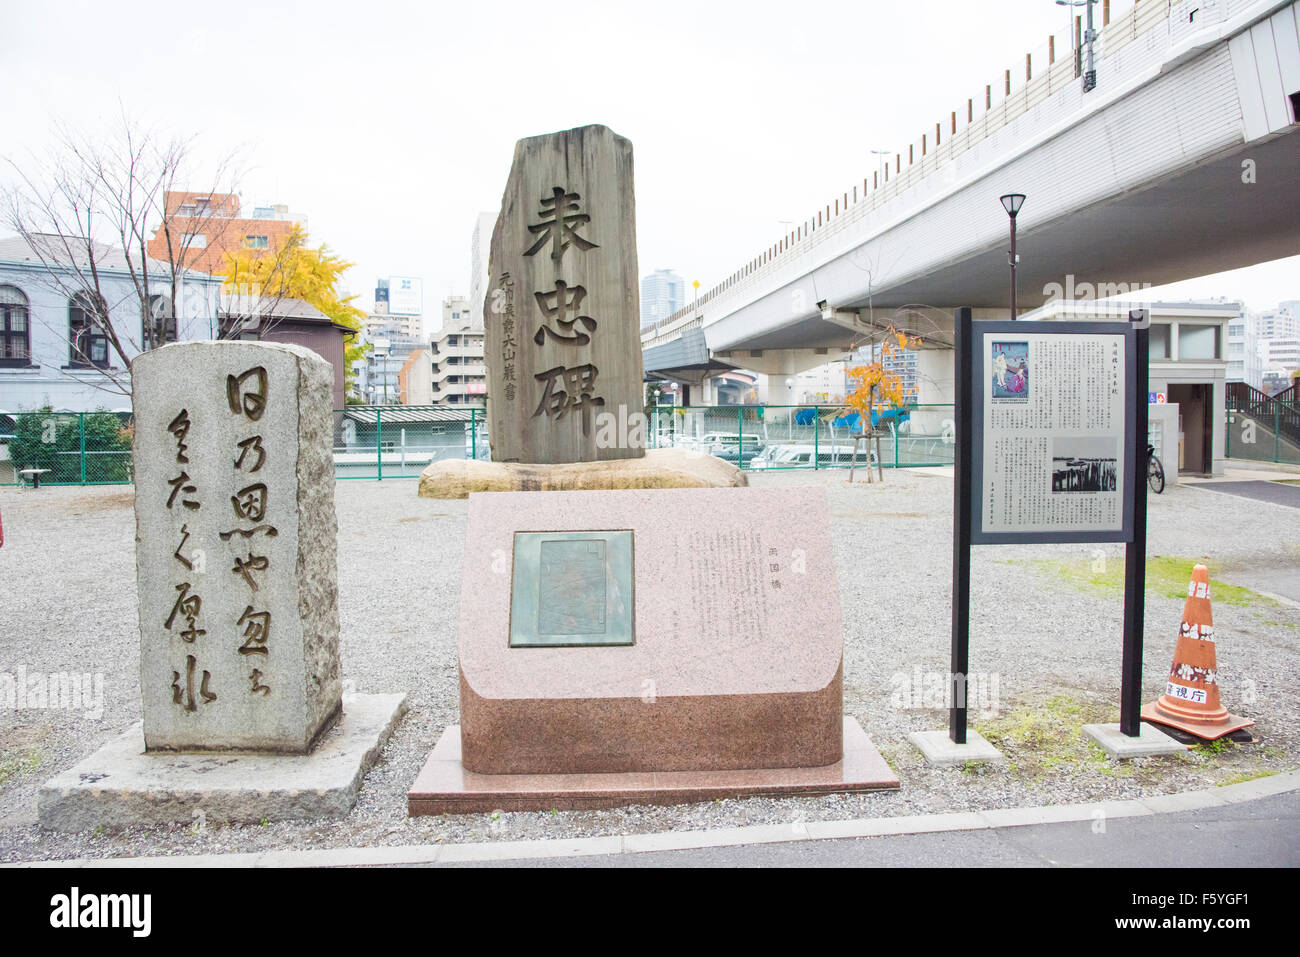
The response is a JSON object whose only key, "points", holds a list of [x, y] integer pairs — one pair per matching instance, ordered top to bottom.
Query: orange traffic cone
{"points": [[1191, 698]]}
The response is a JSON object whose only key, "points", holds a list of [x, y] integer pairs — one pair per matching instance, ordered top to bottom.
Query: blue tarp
{"points": [[854, 421]]}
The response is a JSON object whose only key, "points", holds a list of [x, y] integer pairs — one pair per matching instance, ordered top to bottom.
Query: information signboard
{"points": [[1048, 426], [1052, 455]]}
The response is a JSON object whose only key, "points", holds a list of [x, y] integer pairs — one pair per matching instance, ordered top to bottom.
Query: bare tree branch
{"points": [[87, 210]]}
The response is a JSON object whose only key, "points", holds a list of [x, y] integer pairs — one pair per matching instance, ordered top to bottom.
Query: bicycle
{"points": [[1155, 471]]}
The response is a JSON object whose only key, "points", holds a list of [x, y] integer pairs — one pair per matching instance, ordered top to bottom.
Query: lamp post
{"points": [[1090, 72], [880, 166], [1012, 203]]}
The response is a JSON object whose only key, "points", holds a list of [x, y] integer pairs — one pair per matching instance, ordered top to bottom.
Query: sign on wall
{"points": [[405, 296], [1052, 457]]}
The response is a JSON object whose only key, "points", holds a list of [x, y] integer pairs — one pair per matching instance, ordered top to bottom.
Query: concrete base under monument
{"points": [[659, 468], [123, 785], [444, 786]]}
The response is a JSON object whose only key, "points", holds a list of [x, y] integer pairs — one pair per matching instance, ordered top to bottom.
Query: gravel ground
{"points": [[1046, 643]]}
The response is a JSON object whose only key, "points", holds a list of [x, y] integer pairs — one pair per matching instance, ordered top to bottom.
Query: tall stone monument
{"points": [[561, 313], [563, 344], [235, 554], [237, 580]]}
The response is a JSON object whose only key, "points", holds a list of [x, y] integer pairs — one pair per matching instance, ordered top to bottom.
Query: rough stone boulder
{"points": [[660, 468]]}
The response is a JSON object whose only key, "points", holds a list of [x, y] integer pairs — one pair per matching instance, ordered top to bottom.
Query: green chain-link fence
{"points": [[805, 436], [372, 442], [387, 442], [66, 448]]}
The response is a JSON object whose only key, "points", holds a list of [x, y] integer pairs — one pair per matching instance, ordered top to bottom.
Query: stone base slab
{"points": [[659, 468], [1118, 745], [940, 750], [122, 785], [445, 787]]}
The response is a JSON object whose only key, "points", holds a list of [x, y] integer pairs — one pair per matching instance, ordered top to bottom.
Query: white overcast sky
{"points": [[391, 125]]}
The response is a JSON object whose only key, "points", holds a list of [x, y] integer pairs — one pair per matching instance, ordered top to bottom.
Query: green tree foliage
{"points": [[45, 439]]}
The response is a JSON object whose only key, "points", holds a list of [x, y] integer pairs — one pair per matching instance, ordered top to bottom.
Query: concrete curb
{"points": [[723, 837]]}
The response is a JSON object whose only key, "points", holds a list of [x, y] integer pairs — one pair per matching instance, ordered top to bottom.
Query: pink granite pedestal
{"points": [[732, 684], [445, 787]]}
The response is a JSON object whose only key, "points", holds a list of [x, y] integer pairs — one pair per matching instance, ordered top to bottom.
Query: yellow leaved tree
{"points": [[297, 271], [876, 383]]}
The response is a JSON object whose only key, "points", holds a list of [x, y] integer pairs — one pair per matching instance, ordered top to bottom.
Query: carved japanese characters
{"points": [[562, 315], [235, 547]]}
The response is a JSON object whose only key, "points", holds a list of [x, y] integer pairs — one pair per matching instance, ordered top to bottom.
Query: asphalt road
{"points": [[1276, 492], [1258, 833]]}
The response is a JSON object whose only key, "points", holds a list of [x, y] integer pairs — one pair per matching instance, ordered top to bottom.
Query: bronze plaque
{"points": [[571, 589]]}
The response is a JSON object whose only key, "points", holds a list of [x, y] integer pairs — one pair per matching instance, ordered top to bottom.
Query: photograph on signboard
{"points": [[1010, 371], [1085, 463]]}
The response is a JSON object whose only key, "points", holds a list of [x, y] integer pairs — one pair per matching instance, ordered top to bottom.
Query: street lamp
{"points": [[1090, 74], [880, 166], [1012, 203]]}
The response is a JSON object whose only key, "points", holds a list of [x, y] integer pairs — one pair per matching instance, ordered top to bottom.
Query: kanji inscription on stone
{"points": [[562, 314]]}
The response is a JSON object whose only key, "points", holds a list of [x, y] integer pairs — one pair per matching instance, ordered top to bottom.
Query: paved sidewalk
{"points": [[1246, 472], [1279, 493], [1248, 824], [1260, 833]]}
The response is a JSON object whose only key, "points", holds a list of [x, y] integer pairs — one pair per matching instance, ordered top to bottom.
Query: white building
{"points": [[480, 250], [663, 292], [1279, 323], [392, 340], [1279, 344], [54, 348], [1245, 352], [1283, 356], [1188, 368], [458, 375], [824, 383]]}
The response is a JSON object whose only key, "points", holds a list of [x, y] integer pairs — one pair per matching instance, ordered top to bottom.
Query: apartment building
{"points": [[204, 227]]}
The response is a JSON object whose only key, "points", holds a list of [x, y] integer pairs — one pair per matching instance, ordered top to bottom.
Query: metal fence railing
{"points": [[1263, 431], [761, 437], [373, 442], [390, 442], [66, 448]]}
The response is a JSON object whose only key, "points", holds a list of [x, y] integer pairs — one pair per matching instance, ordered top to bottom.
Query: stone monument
{"points": [[561, 314], [562, 343], [235, 556], [237, 580], [651, 647]]}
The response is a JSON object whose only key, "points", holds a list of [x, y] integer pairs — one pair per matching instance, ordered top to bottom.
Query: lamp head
{"points": [[1012, 203]]}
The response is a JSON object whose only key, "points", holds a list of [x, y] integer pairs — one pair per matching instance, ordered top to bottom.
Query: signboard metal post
{"points": [[961, 493], [1135, 558]]}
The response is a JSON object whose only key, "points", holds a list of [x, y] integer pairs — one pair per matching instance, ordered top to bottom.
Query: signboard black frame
{"points": [[1130, 472], [966, 495]]}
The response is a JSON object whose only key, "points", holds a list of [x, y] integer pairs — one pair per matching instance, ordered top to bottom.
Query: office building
{"points": [[479, 252], [663, 292]]}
